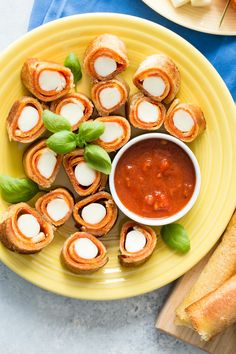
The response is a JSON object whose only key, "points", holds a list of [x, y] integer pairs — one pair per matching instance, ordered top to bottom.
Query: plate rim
{"points": [[195, 28], [132, 291]]}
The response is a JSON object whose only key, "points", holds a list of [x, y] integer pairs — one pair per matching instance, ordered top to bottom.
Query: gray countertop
{"points": [[34, 321]]}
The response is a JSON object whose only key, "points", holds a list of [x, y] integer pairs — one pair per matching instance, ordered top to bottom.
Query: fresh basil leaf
{"points": [[72, 62], [54, 122], [91, 130], [62, 142], [80, 142], [97, 158], [16, 190], [176, 237]]}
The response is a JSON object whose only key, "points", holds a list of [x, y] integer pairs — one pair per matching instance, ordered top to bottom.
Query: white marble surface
{"points": [[34, 321]]}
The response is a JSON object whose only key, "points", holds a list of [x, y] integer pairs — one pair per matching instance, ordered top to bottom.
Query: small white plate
{"points": [[202, 19]]}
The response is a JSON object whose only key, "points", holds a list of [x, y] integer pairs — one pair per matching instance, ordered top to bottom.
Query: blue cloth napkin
{"points": [[220, 50]]}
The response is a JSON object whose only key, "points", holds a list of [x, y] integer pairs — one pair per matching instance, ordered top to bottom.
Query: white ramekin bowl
{"points": [[155, 221]]}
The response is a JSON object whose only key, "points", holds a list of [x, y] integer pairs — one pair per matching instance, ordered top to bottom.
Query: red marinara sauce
{"points": [[155, 178]]}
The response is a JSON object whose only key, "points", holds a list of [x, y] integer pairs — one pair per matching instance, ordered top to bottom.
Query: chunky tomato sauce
{"points": [[155, 178]]}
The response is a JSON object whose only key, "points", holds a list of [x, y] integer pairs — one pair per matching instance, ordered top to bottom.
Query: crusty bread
{"points": [[220, 267], [215, 311]]}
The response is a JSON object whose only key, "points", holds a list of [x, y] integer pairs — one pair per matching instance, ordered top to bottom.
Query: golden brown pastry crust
{"points": [[106, 45], [164, 67], [30, 73], [117, 83], [75, 97], [197, 116], [134, 119], [14, 132], [119, 142], [30, 159], [70, 161], [42, 202], [104, 226], [11, 236], [129, 259], [222, 262], [77, 264], [214, 312]]}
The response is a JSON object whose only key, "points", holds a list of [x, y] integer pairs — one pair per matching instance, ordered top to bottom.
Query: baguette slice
{"points": [[220, 267], [214, 312]]}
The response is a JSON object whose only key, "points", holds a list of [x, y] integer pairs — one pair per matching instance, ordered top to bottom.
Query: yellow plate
{"points": [[204, 19], [215, 150]]}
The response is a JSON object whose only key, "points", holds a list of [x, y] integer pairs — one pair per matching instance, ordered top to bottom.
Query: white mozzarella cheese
{"points": [[200, 2], [178, 3], [105, 66], [50, 80], [154, 85], [109, 97], [73, 112], [148, 112], [28, 118], [183, 121], [112, 132], [47, 163], [84, 174], [57, 209], [93, 213], [28, 225], [38, 238], [135, 241], [85, 248]]}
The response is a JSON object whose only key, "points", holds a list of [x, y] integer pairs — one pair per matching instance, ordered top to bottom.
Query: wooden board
{"points": [[224, 343]]}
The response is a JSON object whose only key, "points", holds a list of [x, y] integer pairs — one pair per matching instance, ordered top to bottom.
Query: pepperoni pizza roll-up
{"points": [[105, 57], [158, 77], [46, 80], [109, 96], [76, 108], [144, 113], [24, 121], [186, 121], [117, 133], [41, 164], [84, 179], [56, 206], [96, 214], [24, 230], [137, 243], [83, 253], [215, 311]]}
